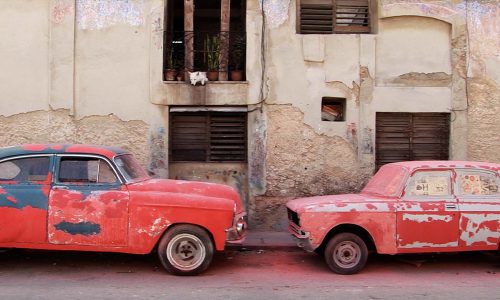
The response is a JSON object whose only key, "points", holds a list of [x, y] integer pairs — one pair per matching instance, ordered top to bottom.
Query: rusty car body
{"points": [[94, 198], [406, 207]]}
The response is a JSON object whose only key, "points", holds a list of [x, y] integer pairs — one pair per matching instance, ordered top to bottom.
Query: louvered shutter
{"points": [[334, 16], [352, 16], [316, 18], [208, 136], [411, 136]]}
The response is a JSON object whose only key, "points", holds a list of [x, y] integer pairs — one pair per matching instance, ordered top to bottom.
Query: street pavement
{"points": [[267, 266]]}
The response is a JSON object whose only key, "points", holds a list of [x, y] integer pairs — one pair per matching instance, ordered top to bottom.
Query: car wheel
{"points": [[185, 250], [346, 253]]}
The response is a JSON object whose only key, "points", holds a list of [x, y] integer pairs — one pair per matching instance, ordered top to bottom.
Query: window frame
{"points": [[335, 28], [57, 167], [32, 182], [458, 184], [429, 198]]}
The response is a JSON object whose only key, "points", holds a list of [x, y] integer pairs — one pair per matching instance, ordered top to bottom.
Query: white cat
{"points": [[196, 77]]}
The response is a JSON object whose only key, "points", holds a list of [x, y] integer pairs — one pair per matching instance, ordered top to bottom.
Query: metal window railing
{"points": [[204, 51]]}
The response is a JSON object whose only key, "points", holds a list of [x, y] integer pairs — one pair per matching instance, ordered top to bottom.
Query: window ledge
{"points": [[209, 82], [212, 93]]}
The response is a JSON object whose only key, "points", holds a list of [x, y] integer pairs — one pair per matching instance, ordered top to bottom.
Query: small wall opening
{"points": [[333, 109]]}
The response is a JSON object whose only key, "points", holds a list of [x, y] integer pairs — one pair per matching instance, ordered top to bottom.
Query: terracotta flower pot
{"points": [[170, 75], [213, 75], [237, 75], [180, 76]]}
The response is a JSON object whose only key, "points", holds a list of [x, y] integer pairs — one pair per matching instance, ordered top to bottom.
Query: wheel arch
{"points": [[172, 226], [351, 228]]}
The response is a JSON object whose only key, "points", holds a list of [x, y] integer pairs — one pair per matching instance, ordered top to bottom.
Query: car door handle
{"points": [[61, 188], [450, 206]]}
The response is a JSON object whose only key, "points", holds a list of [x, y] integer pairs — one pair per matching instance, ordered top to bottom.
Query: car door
{"points": [[24, 186], [479, 202], [88, 204], [427, 214]]}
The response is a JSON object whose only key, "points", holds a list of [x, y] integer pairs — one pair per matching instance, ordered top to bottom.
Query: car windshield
{"points": [[130, 168], [387, 181]]}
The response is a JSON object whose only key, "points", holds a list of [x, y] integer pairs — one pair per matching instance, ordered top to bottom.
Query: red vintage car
{"points": [[92, 198], [407, 207]]}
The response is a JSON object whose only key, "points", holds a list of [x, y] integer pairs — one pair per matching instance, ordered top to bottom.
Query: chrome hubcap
{"points": [[186, 252], [347, 254]]}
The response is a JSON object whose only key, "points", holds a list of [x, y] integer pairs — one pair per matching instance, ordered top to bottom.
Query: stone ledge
{"points": [[213, 93]]}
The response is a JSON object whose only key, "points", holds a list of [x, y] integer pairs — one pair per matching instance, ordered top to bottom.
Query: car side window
{"points": [[25, 170], [85, 170], [477, 182], [429, 183]]}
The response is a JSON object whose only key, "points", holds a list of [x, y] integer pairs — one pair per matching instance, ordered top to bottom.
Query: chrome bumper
{"points": [[236, 233], [300, 237]]}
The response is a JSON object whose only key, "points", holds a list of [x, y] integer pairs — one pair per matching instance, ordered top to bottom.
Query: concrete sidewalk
{"points": [[262, 240]]}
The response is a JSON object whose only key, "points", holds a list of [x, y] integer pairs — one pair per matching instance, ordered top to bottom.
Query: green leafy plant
{"points": [[237, 51], [213, 52]]}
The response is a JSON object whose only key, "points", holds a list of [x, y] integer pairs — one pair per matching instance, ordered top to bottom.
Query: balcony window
{"points": [[204, 35]]}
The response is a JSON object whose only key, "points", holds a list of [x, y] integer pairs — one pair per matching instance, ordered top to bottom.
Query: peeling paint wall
{"points": [[59, 127], [303, 162]]}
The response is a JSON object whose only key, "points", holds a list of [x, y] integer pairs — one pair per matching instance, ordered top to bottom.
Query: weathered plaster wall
{"points": [[24, 52], [404, 56], [415, 62], [483, 86], [59, 127], [325, 164]]}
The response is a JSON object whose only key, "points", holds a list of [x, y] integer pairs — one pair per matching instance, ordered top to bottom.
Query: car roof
{"points": [[28, 149], [437, 164]]}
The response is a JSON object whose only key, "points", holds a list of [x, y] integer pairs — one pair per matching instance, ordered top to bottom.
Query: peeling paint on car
{"points": [[129, 216], [425, 218], [407, 223], [83, 228], [477, 229], [419, 245]]}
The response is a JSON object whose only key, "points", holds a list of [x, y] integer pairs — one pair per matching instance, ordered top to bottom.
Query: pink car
{"points": [[407, 207]]}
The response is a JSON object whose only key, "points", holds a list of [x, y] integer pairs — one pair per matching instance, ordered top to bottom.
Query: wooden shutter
{"points": [[334, 16], [352, 16], [316, 18], [188, 136], [208, 136], [411, 136], [228, 137]]}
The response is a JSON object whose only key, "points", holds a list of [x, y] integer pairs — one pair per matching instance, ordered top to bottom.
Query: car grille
{"points": [[293, 217]]}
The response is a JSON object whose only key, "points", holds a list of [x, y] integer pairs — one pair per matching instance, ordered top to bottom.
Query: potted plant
{"points": [[213, 52], [237, 55], [170, 71]]}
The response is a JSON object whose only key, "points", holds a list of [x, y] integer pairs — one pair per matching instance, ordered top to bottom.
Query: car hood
{"points": [[204, 189], [346, 202]]}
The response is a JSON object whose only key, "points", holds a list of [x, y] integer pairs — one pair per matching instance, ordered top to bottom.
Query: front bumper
{"points": [[236, 234], [300, 237]]}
